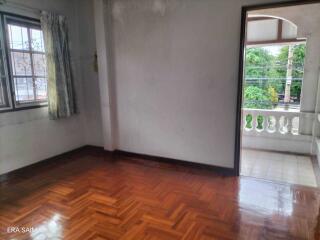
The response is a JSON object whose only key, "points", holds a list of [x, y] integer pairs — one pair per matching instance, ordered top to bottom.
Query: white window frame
{"points": [[12, 103]]}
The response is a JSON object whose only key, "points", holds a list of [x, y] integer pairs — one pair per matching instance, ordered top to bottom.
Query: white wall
{"points": [[266, 30], [175, 77], [93, 122], [29, 136], [300, 144]]}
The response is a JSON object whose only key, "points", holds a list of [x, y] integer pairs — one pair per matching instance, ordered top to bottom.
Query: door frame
{"points": [[244, 11]]}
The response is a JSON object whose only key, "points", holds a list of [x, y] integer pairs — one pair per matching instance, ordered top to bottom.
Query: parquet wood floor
{"points": [[90, 195]]}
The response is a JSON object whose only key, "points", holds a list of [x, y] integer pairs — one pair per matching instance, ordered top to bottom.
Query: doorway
{"points": [[277, 125]]}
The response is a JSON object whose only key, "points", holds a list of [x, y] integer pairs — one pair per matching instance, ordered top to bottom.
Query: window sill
{"points": [[16, 109]]}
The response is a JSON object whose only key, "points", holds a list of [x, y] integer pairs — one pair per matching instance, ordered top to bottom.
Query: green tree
{"points": [[298, 60], [258, 62], [298, 64], [259, 67], [264, 71], [273, 95], [258, 98]]}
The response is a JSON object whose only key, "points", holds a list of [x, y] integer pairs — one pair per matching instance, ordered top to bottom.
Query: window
{"points": [[23, 57], [4, 84]]}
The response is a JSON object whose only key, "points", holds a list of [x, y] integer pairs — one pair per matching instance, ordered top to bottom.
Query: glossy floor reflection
{"points": [[282, 167], [91, 195]]}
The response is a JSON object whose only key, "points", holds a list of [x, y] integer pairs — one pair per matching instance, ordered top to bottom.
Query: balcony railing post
{"points": [[254, 121], [246, 123], [265, 123], [277, 125], [289, 126]]}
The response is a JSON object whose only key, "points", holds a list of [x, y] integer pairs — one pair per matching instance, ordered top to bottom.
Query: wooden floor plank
{"points": [[92, 195]]}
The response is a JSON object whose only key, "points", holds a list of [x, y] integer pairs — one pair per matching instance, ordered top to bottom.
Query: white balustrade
{"points": [[271, 121]]}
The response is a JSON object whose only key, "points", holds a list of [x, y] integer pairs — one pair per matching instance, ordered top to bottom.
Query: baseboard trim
{"points": [[277, 151], [66, 156], [222, 170], [24, 172]]}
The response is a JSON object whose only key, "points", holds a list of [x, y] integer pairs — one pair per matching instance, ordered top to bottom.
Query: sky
{"points": [[274, 50]]}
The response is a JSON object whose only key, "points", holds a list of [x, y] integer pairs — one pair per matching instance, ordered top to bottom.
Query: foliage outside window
{"points": [[266, 75]]}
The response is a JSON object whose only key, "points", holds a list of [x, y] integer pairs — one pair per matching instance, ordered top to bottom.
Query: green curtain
{"points": [[61, 93]]}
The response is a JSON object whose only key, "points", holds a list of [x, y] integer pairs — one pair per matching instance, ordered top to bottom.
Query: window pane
{"points": [[18, 37], [37, 40], [27, 62], [21, 63], [39, 64], [2, 71], [3, 83], [41, 88], [2, 89], [24, 89]]}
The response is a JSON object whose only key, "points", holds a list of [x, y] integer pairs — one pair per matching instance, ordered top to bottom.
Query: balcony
{"points": [[275, 130], [280, 143], [274, 149]]}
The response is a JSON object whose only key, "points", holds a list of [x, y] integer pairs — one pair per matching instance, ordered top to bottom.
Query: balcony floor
{"points": [[289, 168]]}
